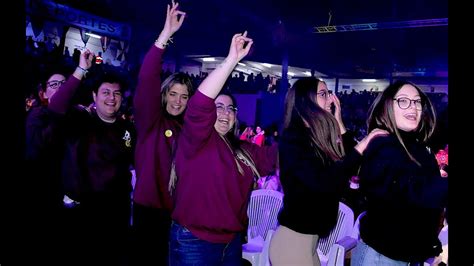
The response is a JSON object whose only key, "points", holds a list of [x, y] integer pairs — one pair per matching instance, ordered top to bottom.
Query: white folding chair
{"points": [[262, 211], [355, 230], [332, 249], [264, 259]]}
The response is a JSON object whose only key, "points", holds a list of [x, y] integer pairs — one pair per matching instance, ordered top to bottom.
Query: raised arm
{"points": [[174, 20], [212, 85], [61, 100], [147, 100], [200, 116], [362, 145], [298, 165]]}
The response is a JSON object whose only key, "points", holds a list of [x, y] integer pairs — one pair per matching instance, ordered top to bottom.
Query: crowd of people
{"points": [[195, 171]]}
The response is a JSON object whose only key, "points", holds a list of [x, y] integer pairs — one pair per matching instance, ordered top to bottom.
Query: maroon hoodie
{"points": [[153, 150], [211, 195]]}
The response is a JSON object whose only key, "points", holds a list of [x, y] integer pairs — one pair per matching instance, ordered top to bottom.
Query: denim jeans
{"points": [[187, 249], [364, 255]]}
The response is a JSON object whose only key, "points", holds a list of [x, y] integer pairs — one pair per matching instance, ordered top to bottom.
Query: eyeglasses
{"points": [[55, 83], [324, 94], [405, 103], [221, 108]]}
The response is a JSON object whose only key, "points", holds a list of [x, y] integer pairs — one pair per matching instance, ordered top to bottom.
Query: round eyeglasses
{"points": [[55, 83], [324, 94], [405, 103], [221, 108]]}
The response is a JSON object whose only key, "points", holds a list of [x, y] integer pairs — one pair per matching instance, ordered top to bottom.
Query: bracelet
{"points": [[170, 40], [85, 71]]}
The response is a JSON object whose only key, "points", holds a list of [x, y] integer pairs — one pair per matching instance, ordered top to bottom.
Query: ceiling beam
{"points": [[383, 25]]}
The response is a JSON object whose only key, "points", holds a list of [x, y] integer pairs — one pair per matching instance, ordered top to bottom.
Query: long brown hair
{"points": [[300, 103], [381, 114]]}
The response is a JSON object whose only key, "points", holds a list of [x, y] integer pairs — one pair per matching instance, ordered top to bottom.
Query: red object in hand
{"points": [[442, 157]]}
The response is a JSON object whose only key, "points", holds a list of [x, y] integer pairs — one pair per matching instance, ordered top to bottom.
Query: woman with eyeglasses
{"points": [[51, 87], [317, 160], [42, 166], [214, 173], [401, 180]]}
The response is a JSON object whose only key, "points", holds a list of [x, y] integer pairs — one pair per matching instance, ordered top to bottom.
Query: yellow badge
{"points": [[168, 133]]}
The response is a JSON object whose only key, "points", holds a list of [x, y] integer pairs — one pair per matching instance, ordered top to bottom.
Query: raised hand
{"points": [[174, 19], [239, 47], [238, 50], [85, 60], [337, 105], [337, 112]]}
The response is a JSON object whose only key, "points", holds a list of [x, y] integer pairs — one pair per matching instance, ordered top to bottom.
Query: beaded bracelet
{"points": [[85, 71]]}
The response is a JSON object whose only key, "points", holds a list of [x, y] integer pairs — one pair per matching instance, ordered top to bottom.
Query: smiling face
{"points": [[177, 99], [108, 100], [226, 114], [407, 119]]}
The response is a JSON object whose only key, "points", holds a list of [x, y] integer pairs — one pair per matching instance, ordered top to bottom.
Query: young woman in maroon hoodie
{"points": [[159, 109], [215, 173]]}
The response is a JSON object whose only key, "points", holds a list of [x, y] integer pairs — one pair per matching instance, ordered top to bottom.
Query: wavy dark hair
{"points": [[300, 103], [381, 114]]}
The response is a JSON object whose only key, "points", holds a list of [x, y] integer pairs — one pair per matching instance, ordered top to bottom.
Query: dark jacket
{"points": [[43, 148], [97, 155], [312, 189], [405, 201]]}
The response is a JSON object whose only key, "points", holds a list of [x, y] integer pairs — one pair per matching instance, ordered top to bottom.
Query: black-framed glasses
{"points": [[55, 83], [324, 94], [405, 103], [221, 108]]}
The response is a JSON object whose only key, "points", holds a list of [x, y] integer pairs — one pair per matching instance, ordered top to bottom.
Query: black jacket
{"points": [[43, 148], [97, 156], [312, 189], [405, 201]]}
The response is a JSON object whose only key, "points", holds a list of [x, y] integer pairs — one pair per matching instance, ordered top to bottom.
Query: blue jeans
{"points": [[187, 249], [364, 255]]}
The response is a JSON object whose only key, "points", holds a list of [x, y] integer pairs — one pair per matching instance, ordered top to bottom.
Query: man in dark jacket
{"points": [[95, 163]]}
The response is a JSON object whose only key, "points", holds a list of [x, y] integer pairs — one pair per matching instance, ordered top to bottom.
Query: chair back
{"points": [[262, 211], [345, 223], [356, 231]]}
